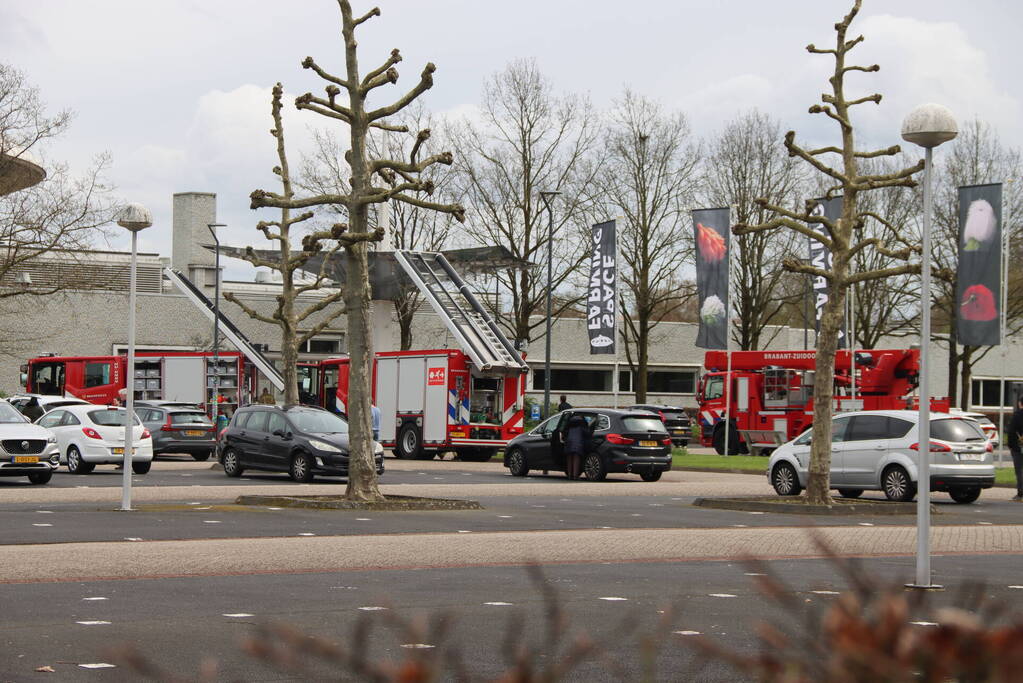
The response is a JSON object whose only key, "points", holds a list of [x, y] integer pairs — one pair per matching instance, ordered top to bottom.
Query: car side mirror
{"points": [[280, 433]]}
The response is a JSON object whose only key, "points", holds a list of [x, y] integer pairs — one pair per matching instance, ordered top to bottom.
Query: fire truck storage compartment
{"points": [[183, 379], [413, 386], [484, 400]]}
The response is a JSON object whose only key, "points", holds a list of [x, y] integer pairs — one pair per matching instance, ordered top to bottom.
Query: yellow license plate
{"points": [[678, 431], [193, 432], [648, 444], [120, 451], [26, 458]]}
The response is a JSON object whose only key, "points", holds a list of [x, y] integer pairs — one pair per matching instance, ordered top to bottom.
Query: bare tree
{"points": [[527, 141], [977, 156], [744, 163], [648, 178], [402, 182], [62, 215], [841, 237], [288, 315]]}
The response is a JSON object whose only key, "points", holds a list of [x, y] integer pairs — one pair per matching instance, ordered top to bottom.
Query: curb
{"points": [[722, 470], [392, 504], [772, 504]]}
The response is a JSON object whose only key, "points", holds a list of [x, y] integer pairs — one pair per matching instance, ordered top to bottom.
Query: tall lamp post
{"points": [[928, 126], [547, 197], [133, 218], [216, 325]]}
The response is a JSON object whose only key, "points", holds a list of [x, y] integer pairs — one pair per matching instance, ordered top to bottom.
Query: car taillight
{"points": [[661, 413], [166, 427], [91, 433], [146, 434], [620, 440], [666, 441], [935, 447], [990, 447]]}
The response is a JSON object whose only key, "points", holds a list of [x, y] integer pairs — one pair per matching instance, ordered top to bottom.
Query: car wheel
{"points": [[410, 446], [476, 454], [200, 457], [517, 463], [75, 464], [232, 465], [141, 467], [301, 468], [594, 468], [650, 475], [43, 477], [785, 480], [897, 485], [850, 493], [965, 494]]}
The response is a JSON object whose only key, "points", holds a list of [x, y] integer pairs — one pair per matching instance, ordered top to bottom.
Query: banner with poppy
{"points": [[711, 229], [820, 257], [979, 288], [601, 317]]}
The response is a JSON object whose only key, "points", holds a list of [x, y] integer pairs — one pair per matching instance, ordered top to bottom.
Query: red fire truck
{"points": [[187, 376], [770, 396]]}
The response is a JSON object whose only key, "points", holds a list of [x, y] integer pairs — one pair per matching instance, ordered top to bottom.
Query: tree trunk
{"points": [[404, 313], [289, 366], [965, 377], [641, 380], [362, 473], [818, 489]]}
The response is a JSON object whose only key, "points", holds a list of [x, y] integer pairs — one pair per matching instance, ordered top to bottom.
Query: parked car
{"points": [[47, 403], [675, 420], [989, 427], [179, 430], [90, 435], [301, 440], [621, 441], [26, 450], [877, 450]]}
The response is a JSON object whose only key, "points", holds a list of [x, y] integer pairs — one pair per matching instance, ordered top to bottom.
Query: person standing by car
{"points": [[265, 398], [564, 405], [32, 410], [375, 412], [1015, 432], [577, 433]]}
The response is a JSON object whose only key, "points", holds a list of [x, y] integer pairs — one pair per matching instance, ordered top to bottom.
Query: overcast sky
{"points": [[178, 90]]}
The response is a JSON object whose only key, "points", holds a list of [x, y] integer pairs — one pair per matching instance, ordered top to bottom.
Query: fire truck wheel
{"points": [[410, 446], [735, 447], [476, 454], [517, 463], [75, 464], [232, 467], [301, 468], [594, 468], [785, 480], [897, 485], [850, 493]]}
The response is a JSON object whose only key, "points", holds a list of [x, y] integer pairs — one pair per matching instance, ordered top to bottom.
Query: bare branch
{"points": [[375, 12], [391, 61], [308, 63], [425, 83], [249, 311]]}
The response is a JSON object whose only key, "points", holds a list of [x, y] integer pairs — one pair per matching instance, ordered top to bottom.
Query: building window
{"points": [[323, 345], [574, 379], [625, 381], [671, 382], [986, 393]]}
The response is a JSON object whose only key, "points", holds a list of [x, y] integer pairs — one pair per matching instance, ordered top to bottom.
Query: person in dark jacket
{"points": [[564, 405], [32, 409], [577, 433], [1015, 433]]}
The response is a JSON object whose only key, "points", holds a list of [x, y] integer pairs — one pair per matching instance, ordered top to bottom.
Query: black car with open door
{"points": [[632, 441]]}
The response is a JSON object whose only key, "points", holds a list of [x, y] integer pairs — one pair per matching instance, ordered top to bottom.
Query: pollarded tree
{"points": [[374, 180], [842, 237]]}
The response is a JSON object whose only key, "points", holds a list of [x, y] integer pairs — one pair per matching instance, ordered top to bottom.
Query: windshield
{"points": [[10, 415], [110, 417], [189, 418], [318, 422], [635, 423], [956, 430]]}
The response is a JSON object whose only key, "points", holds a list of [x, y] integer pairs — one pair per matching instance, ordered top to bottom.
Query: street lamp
{"points": [[928, 126], [18, 173], [547, 197], [133, 218], [216, 325]]}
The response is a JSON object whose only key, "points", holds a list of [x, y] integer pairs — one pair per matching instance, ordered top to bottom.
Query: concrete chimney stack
{"points": [[193, 212]]}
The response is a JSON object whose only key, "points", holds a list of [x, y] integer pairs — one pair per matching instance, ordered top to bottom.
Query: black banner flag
{"points": [[712, 244], [821, 258], [979, 288], [601, 307]]}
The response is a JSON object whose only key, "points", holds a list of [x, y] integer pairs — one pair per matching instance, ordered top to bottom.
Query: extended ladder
{"points": [[227, 328], [476, 332]]}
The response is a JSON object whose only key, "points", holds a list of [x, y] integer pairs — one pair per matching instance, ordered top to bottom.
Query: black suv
{"points": [[675, 420], [299, 440], [619, 441]]}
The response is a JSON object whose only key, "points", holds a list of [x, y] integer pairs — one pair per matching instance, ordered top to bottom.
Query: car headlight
{"points": [[51, 439], [324, 446]]}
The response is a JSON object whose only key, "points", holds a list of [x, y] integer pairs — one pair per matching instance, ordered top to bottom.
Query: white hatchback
{"points": [[90, 435], [877, 450]]}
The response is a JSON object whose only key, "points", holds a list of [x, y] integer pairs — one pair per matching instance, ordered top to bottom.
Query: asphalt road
{"points": [[184, 625]]}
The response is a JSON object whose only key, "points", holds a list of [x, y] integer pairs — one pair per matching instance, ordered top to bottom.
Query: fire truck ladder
{"points": [[461, 312], [227, 328]]}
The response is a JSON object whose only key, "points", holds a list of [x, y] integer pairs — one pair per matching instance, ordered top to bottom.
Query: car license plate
{"points": [[678, 431], [193, 432], [648, 444], [120, 451], [971, 456], [26, 458]]}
